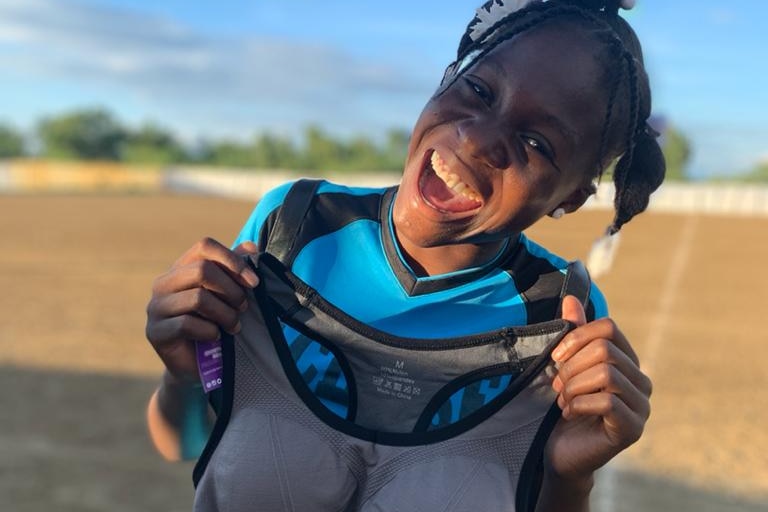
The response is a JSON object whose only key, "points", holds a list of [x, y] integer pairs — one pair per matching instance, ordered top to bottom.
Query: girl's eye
{"points": [[480, 90], [540, 147]]}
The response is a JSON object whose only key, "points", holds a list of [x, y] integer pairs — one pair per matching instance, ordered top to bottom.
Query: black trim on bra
{"points": [[272, 314], [385, 338], [346, 369], [445, 393], [225, 411], [532, 471]]}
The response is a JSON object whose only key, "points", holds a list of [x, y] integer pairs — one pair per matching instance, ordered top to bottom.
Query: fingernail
{"points": [[250, 277], [243, 307], [236, 329], [559, 352], [557, 384]]}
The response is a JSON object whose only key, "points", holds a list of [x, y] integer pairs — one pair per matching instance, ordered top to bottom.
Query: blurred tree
{"points": [[89, 134], [94, 134], [11, 142], [151, 145], [396, 149], [321, 151], [272, 152], [677, 152], [229, 153], [361, 155], [757, 175]]}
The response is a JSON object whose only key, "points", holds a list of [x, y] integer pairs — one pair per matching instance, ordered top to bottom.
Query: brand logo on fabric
{"points": [[399, 365]]}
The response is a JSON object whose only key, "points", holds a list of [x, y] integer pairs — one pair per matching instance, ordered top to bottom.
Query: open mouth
{"points": [[444, 190]]}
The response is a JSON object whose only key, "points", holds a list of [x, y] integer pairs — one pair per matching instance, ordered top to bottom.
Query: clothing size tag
{"points": [[209, 364]]}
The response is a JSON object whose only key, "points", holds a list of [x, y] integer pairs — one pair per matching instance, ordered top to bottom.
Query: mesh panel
{"points": [[252, 391], [509, 449]]}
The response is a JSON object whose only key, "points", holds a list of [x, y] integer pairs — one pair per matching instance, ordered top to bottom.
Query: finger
{"points": [[246, 248], [211, 250], [201, 274], [200, 302], [182, 328], [578, 338], [597, 352], [605, 378], [622, 426]]}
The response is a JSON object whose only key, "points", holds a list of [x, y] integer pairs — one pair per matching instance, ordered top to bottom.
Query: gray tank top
{"points": [[276, 448]]}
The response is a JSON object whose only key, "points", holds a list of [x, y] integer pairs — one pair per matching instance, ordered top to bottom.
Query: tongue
{"points": [[437, 193]]}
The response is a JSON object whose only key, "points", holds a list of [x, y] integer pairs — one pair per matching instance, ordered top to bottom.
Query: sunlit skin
{"points": [[538, 89], [522, 129]]}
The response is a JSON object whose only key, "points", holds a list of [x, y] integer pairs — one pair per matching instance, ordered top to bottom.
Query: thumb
{"points": [[573, 311]]}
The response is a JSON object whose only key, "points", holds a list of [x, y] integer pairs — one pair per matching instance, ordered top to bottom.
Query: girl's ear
{"points": [[577, 198]]}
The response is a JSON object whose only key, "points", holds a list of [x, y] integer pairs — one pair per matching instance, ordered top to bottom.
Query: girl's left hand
{"points": [[603, 395]]}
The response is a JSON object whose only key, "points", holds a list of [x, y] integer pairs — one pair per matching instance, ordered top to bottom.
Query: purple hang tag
{"points": [[209, 364]]}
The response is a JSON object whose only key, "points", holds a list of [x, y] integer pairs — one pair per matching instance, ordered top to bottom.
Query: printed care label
{"points": [[209, 364], [395, 381]]}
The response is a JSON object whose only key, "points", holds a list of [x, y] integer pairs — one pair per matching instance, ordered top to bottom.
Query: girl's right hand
{"points": [[202, 293]]}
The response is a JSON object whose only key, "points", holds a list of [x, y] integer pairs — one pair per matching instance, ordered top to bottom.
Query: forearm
{"points": [[179, 419], [561, 495]]}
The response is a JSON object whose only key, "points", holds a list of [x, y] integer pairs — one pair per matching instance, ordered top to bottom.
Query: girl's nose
{"points": [[486, 143]]}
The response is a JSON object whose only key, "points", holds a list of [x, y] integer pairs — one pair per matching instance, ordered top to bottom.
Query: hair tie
{"points": [[491, 12]]}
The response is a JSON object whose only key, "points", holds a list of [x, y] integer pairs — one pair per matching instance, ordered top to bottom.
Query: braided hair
{"points": [[640, 168]]}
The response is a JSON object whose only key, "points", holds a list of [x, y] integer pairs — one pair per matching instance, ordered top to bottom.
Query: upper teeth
{"points": [[451, 179]]}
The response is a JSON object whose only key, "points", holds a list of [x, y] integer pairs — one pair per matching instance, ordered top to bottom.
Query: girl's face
{"points": [[514, 137]]}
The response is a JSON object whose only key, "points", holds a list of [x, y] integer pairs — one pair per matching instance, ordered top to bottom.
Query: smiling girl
{"points": [[544, 96]]}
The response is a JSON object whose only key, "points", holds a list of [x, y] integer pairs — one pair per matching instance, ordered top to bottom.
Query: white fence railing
{"points": [[252, 185], [706, 198], [709, 198]]}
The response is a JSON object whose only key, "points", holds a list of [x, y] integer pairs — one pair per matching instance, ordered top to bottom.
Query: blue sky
{"points": [[233, 68]]}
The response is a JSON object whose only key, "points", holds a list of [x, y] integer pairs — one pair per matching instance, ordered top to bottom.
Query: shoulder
{"points": [[332, 198], [536, 271]]}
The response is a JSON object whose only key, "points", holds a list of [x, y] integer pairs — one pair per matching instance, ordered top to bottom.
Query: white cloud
{"points": [[165, 63]]}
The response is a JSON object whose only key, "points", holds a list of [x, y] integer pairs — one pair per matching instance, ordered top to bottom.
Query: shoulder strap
{"points": [[282, 237], [577, 283]]}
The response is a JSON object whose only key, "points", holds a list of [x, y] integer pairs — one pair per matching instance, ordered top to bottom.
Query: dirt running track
{"points": [[75, 274]]}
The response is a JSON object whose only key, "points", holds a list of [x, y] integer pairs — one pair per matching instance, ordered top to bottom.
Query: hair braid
{"points": [[616, 80], [622, 168]]}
